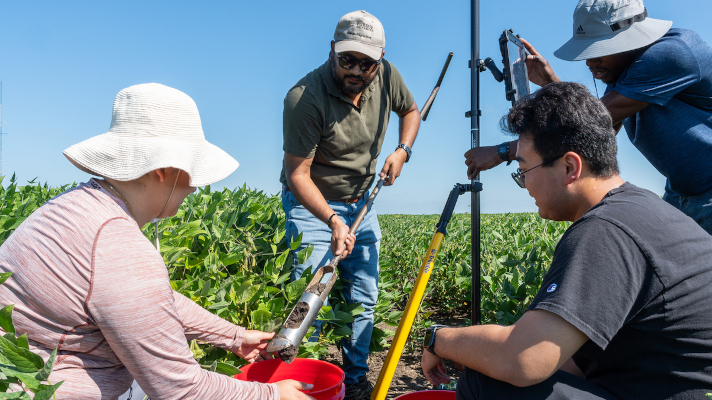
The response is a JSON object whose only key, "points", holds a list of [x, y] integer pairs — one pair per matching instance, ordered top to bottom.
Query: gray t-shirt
{"points": [[674, 132], [344, 140], [634, 274]]}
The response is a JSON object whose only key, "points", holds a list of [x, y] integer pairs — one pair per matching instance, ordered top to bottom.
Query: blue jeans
{"points": [[697, 207], [358, 271]]}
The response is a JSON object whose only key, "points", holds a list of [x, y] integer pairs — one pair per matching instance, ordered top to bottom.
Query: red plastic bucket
{"points": [[328, 379], [428, 395]]}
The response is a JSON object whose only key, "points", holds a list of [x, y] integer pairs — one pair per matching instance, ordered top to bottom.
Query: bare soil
{"points": [[317, 288], [297, 316], [408, 376]]}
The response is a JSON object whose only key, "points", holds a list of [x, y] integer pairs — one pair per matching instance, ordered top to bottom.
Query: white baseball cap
{"points": [[605, 27], [361, 32], [153, 126]]}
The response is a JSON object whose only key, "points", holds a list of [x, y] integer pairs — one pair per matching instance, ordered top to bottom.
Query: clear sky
{"points": [[62, 63]]}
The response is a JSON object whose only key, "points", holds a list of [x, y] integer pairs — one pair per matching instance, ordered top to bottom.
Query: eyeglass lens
{"points": [[349, 62]]}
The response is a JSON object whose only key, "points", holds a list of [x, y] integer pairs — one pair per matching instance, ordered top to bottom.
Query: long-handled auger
{"points": [[416, 295], [286, 342]]}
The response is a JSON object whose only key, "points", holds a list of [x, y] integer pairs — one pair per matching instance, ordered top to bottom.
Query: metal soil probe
{"points": [[286, 342]]}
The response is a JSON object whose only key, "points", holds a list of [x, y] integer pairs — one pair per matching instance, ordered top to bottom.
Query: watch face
{"points": [[428, 338]]}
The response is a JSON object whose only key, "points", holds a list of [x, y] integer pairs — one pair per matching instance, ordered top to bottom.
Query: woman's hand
{"points": [[253, 346], [434, 369], [290, 389]]}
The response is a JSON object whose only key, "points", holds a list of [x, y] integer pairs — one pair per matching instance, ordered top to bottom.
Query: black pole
{"points": [[475, 133]]}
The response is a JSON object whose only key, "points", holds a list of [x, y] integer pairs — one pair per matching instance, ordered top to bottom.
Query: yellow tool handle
{"points": [[406, 322]]}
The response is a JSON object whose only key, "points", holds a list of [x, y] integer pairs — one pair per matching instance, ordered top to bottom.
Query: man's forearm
{"points": [[408, 126], [310, 196], [486, 349], [522, 354]]}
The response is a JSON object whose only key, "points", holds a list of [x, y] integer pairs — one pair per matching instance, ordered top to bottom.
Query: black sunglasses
{"points": [[348, 62], [519, 175]]}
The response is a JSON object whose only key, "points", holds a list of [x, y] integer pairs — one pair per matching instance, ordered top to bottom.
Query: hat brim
{"points": [[638, 35], [370, 51], [125, 158]]}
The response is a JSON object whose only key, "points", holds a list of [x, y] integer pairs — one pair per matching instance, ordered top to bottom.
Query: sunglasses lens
{"points": [[346, 62], [366, 66], [519, 179]]}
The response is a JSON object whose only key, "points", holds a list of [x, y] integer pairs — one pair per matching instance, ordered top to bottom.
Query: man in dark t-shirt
{"points": [[625, 310]]}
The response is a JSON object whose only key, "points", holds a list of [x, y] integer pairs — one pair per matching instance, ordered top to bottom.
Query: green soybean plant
{"points": [[20, 369]]}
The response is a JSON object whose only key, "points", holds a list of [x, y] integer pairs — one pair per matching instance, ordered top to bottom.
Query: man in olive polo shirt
{"points": [[335, 120]]}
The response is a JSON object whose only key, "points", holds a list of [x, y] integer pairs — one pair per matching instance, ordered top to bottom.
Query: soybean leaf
{"points": [[296, 242], [4, 276], [295, 289], [243, 292], [222, 304], [358, 309], [261, 316], [344, 317], [6, 319], [272, 325], [22, 341], [23, 359], [47, 369], [227, 369], [27, 378], [47, 391], [16, 396]]}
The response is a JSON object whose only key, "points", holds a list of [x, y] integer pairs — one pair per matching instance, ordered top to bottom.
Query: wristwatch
{"points": [[407, 150], [503, 151], [429, 340]]}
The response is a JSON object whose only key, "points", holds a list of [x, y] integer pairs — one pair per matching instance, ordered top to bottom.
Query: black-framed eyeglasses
{"points": [[348, 62], [519, 175]]}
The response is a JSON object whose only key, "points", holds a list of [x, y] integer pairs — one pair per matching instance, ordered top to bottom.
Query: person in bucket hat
{"points": [[659, 86], [335, 120], [87, 281]]}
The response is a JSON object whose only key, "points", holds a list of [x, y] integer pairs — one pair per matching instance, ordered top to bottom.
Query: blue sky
{"points": [[62, 63]]}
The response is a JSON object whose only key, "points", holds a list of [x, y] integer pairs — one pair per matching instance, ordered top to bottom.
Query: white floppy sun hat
{"points": [[605, 27], [153, 126]]}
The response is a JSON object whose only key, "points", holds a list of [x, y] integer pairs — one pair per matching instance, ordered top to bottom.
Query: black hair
{"points": [[562, 117]]}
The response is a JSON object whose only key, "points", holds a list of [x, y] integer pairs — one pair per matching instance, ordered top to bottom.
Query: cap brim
{"points": [[638, 35], [370, 51], [126, 158]]}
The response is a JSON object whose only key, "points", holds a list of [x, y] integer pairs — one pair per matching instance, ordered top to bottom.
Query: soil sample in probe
{"points": [[317, 288], [297, 316], [288, 354]]}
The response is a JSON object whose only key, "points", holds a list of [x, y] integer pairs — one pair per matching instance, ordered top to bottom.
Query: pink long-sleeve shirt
{"points": [[86, 281]]}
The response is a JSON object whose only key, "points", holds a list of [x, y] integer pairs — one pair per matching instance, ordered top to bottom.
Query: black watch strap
{"points": [[407, 149], [503, 152], [429, 340]]}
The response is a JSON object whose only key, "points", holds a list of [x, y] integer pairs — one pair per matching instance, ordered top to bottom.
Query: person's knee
{"points": [[468, 386]]}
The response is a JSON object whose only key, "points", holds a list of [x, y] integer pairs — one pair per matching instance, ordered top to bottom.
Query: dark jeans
{"points": [[560, 386]]}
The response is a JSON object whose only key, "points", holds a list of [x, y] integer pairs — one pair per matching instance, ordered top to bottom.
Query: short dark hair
{"points": [[562, 117]]}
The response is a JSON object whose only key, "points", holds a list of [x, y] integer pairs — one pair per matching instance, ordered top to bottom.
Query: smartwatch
{"points": [[503, 151], [408, 152], [429, 340]]}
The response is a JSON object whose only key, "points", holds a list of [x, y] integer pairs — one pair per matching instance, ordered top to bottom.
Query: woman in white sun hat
{"points": [[87, 282]]}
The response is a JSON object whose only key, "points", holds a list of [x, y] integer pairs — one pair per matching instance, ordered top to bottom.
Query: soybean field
{"points": [[226, 250]]}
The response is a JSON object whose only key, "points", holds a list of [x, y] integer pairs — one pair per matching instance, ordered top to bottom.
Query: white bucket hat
{"points": [[605, 27], [361, 32], [153, 126]]}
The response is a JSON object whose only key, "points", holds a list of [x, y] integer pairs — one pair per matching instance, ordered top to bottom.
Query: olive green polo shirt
{"points": [[344, 140]]}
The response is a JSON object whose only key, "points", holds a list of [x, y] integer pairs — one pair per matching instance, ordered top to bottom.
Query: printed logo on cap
{"points": [[580, 30], [551, 288]]}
